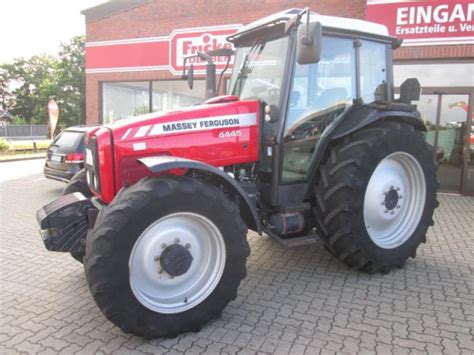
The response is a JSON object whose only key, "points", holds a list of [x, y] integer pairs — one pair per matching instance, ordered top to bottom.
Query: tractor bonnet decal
{"points": [[197, 124]]}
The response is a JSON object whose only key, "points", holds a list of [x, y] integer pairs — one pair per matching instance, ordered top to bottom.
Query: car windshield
{"points": [[258, 71], [70, 141]]}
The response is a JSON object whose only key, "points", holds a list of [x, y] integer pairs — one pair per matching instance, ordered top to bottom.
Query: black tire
{"points": [[78, 183], [340, 191], [119, 225], [79, 256]]}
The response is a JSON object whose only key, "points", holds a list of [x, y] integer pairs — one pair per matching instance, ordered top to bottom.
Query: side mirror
{"points": [[308, 46], [190, 76], [410, 90]]}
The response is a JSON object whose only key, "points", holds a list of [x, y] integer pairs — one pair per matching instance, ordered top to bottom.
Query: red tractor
{"points": [[310, 143]]}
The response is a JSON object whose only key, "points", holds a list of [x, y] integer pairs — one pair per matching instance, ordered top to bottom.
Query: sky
{"points": [[29, 27]]}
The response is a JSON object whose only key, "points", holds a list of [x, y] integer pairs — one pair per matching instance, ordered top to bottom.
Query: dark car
{"points": [[66, 153]]}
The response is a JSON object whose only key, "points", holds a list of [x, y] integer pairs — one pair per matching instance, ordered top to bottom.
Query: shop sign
{"points": [[429, 22], [188, 44], [159, 53]]}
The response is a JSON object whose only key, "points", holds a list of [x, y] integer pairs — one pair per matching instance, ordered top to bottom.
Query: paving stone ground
{"points": [[296, 301]]}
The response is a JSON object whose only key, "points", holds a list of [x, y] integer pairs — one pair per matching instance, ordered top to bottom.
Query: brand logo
{"points": [[185, 43], [193, 125]]}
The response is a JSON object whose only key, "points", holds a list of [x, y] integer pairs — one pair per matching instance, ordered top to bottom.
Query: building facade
{"points": [[135, 51]]}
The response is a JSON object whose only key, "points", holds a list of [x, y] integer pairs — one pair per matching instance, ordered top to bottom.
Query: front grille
{"points": [[92, 171]]}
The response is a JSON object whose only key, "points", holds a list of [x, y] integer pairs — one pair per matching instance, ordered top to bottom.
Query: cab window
{"points": [[373, 71]]}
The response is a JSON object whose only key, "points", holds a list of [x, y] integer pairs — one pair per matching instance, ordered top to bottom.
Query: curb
{"points": [[20, 159]]}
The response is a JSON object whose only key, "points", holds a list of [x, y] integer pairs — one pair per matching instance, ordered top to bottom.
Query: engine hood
{"points": [[189, 120]]}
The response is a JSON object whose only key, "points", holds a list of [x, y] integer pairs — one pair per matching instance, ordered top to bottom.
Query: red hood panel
{"points": [[186, 121], [221, 134]]}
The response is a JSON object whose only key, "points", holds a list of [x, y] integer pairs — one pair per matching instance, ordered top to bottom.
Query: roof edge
{"points": [[109, 8]]}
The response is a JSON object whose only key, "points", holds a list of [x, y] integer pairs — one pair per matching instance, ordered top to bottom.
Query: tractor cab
{"points": [[308, 71]]}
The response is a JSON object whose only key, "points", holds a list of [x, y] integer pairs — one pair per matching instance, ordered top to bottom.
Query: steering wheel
{"points": [[273, 95]]}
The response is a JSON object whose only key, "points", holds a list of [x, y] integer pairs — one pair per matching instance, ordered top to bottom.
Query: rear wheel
{"points": [[78, 183], [376, 195], [166, 256]]}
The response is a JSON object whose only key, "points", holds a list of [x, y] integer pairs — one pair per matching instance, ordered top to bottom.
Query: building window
{"points": [[435, 74], [170, 95], [127, 99]]}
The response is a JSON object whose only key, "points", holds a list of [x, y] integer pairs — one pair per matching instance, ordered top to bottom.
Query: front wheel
{"points": [[376, 195], [166, 256]]}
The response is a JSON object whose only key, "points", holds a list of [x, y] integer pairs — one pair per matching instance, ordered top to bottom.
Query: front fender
{"points": [[248, 210]]}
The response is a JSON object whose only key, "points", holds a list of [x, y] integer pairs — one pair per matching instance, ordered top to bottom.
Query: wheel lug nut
{"points": [[398, 189], [400, 196], [398, 206], [386, 211], [393, 212], [176, 241], [163, 245], [187, 246], [156, 258], [161, 271]]}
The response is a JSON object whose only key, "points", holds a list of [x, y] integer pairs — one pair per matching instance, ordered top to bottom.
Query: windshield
{"points": [[258, 71]]}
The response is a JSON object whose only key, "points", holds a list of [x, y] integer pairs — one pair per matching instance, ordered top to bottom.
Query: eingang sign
{"points": [[428, 22], [158, 53]]}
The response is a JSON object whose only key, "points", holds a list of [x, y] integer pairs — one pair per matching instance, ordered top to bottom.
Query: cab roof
{"points": [[275, 23]]}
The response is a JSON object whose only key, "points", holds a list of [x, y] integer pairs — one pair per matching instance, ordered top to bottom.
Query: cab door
{"points": [[350, 69]]}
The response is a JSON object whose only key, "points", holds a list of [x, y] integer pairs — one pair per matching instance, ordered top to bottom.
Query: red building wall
{"points": [[159, 17], [435, 52]]}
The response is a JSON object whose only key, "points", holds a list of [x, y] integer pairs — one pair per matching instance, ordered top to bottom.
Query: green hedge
{"points": [[24, 145]]}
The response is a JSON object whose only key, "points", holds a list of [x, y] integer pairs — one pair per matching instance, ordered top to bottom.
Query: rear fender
{"points": [[361, 116], [248, 211]]}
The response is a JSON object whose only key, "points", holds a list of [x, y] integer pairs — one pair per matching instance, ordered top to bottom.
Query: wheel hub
{"points": [[391, 199], [394, 200], [176, 260]]}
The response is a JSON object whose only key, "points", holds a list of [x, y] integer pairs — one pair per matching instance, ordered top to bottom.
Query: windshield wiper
{"points": [[244, 70]]}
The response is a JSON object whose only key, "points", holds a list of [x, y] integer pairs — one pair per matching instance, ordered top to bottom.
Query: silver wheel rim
{"points": [[394, 200], [155, 288]]}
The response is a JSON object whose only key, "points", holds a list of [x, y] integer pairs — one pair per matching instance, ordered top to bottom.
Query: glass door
{"points": [[428, 108], [450, 133], [451, 141]]}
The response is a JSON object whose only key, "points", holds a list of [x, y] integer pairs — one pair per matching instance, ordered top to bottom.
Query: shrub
{"points": [[3, 144]]}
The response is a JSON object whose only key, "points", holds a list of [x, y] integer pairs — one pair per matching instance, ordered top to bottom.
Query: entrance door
{"points": [[447, 117]]}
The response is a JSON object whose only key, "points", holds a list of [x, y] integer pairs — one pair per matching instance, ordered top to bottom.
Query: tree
{"points": [[71, 82], [26, 85]]}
